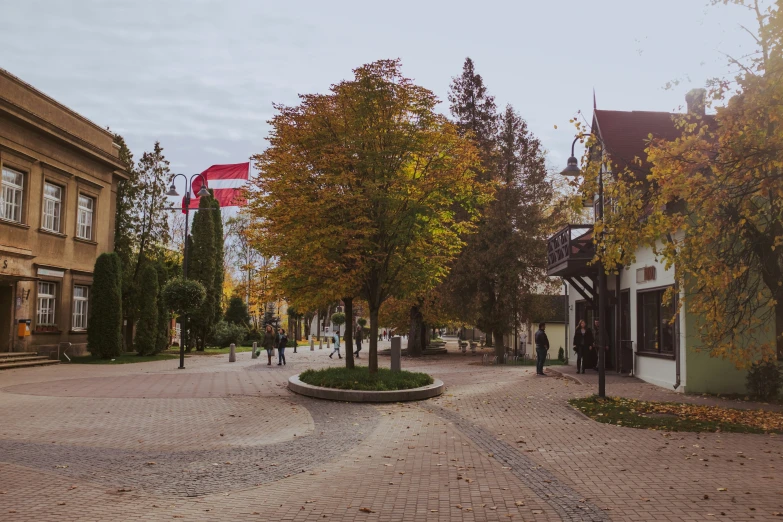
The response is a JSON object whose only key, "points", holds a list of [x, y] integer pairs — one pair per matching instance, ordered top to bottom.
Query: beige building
{"points": [[57, 201]]}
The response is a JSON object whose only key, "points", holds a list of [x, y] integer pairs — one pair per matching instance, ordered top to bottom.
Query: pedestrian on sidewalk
{"points": [[358, 335], [336, 338], [269, 343], [583, 343], [281, 347], [542, 347]]}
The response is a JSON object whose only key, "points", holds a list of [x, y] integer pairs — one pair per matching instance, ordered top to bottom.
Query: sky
{"points": [[201, 76]]}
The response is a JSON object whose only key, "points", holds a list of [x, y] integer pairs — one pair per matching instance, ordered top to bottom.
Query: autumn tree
{"points": [[359, 192], [712, 204]]}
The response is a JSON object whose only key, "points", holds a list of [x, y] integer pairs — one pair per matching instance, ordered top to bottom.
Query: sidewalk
{"points": [[618, 385]]}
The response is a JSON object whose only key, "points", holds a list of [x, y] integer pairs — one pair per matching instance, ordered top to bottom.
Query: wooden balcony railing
{"points": [[569, 250]]}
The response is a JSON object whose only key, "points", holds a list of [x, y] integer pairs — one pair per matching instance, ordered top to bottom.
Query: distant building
{"points": [[57, 203]]}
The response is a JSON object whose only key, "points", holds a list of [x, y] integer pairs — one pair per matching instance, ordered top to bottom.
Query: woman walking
{"points": [[336, 338], [269, 342], [583, 342], [281, 347]]}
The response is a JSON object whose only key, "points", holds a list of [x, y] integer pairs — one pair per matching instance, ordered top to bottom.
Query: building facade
{"points": [[57, 202], [646, 339]]}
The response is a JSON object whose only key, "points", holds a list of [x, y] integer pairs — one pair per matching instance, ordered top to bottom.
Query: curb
{"points": [[565, 376], [333, 394]]}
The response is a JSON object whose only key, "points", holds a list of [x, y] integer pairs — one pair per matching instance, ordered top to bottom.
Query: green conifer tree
{"points": [[217, 218], [201, 268], [164, 316], [104, 337], [146, 337]]}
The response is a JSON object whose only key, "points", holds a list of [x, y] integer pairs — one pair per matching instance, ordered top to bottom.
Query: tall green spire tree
{"points": [[217, 219], [202, 257]]}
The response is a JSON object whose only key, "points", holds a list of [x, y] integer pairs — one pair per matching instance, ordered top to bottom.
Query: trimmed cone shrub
{"points": [[164, 316], [147, 325], [104, 334], [764, 380]]}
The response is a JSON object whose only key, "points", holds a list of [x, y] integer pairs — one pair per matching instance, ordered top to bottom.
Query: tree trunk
{"points": [[779, 328], [348, 337], [425, 338], [488, 338], [415, 340], [500, 349], [373, 358]]}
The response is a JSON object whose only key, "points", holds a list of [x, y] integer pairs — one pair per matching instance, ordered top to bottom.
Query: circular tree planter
{"points": [[335, 394]]}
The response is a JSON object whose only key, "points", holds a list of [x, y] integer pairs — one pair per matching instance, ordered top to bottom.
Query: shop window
{"points": [[655, 331]]}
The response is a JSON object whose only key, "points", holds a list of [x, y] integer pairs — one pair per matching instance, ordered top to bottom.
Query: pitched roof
{"points": [[625, 134]]}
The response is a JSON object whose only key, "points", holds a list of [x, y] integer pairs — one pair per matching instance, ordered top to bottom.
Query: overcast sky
{"points": [[200, 76]]}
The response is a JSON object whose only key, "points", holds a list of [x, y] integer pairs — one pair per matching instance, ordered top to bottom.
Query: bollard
{"points": [[328, 343], [312, 344], [320, 344], [255, 350], [232, 354], [396, 354]]}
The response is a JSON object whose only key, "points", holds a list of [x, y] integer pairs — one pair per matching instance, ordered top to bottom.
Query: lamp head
{"points": [[572, 169], [172, 190], [203, 192]]}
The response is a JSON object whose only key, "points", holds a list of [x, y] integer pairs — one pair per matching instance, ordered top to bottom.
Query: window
{"points": [[11, 195], [52, 203], [84, 226], [80, 303], [46, 304], [655, 332]]}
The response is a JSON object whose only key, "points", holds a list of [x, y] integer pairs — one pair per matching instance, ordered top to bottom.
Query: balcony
{"points": [[570, 250]]}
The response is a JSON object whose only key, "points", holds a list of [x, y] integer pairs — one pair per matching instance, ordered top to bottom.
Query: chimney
{"points": [[695, 100]]}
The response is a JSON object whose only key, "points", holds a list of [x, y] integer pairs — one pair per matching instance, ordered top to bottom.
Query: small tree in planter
{"points": [[183, 297], [338, 319], [147, 328], [104, 335]]}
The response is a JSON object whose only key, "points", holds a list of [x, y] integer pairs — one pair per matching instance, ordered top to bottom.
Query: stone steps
{"points": [[9, 361]]}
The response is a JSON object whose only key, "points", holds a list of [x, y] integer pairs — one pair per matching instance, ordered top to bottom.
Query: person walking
{"points": [[358, 335], [336, 338], [269, 342], [583, 343], [281, 344], [542, 347]]}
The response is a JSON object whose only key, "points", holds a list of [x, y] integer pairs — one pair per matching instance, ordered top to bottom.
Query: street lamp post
{"points": [[572, 169], [203, 192]]}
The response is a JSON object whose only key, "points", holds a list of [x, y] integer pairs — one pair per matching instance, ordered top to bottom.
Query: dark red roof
{"points": [[625, 134]]}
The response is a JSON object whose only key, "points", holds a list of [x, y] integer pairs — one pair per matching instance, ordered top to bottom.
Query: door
{"points": [[6, 317]]}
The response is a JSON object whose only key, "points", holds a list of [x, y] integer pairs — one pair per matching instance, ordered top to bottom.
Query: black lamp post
{"points": [[572, 169], [203, 192]]}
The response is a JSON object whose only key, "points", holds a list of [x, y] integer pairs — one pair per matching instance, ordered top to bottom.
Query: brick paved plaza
{"points": [[221, 441]]}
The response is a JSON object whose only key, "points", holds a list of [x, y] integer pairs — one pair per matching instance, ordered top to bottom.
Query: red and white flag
{"points": [[226, 181]]}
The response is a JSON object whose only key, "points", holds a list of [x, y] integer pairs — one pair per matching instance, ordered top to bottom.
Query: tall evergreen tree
{"points": [[217, 218], [201, 267], [236, 313], [164, 316], [147, 327], [104, 338]]}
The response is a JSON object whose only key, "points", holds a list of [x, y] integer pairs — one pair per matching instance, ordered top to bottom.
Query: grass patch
{"points": [[125, 358], [360, 378], [673, 416]]}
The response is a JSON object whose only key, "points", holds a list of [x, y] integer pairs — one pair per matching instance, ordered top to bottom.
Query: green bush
{"points": [[184, 296], [338, 318], [361, 322], [147, 327], [104, 332], [227, 333], [254, 334], [291, 344], [561, 354], [360, 378], [764, 380]]}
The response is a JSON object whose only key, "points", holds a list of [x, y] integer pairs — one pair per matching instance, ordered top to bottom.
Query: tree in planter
{"points": [[367, 182], [183, 297], [236, 313], [338, 319], [104, 336], [146, 338]]}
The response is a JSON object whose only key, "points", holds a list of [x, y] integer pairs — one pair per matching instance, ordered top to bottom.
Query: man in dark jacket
{"points": [[358, 336], [542, 347]]}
